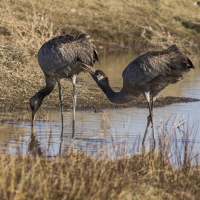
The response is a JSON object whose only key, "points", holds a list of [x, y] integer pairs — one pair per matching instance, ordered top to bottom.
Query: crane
{"points": [[62, 57], [148, 74]]}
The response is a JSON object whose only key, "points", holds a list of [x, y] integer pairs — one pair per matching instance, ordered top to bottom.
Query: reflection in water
{"points": [[112, 132], [34, 145]]}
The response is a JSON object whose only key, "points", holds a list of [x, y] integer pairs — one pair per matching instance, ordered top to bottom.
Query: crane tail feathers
{"points": [[173, 48], [190, 63]]}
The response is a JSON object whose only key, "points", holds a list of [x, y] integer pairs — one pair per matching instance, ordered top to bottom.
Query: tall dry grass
{"points": [[138, 23], [172, 172]]}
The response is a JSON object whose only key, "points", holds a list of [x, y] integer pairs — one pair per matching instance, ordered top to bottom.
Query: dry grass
{"points": [[114, 23], [24, 27], [171, 173]]}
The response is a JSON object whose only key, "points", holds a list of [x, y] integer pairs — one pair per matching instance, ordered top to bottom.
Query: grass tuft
{"points": [[171, 172]]}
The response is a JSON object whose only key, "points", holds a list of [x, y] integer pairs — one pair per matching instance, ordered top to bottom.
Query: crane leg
{"points": [[74, 96], [61, 107], [33, 118], [149, 119], [152, 122], [147, 126]]}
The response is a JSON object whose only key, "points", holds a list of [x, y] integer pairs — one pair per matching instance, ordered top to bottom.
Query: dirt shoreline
{"points": [[89, 98]]}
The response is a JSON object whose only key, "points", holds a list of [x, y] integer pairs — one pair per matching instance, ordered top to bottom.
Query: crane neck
{"points": [[50, 84], [116, 97]]}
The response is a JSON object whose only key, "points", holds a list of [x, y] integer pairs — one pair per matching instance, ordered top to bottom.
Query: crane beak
{"points": [[88, 68], [33, 118]]}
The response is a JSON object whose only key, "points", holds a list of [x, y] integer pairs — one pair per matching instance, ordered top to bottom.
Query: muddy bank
{"points": [[89, 97]]}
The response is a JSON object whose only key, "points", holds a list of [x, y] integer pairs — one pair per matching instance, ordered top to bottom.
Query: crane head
{"points": [[99, 76], [35, 103]]}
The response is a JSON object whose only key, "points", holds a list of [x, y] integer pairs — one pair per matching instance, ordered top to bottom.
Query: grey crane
{"points": [[62, 57], [148, 74]]}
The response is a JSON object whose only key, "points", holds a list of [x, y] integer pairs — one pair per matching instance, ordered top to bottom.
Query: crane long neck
{"points": [[46, 90], [115, 97], [36, 100]]}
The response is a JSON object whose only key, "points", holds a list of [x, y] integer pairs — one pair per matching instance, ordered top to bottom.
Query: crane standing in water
{"points": [[62, 57], [148, 74]]}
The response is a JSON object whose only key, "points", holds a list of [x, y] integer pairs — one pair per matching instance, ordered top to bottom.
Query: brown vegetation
{"points": [[111, 23], [24, 27]]}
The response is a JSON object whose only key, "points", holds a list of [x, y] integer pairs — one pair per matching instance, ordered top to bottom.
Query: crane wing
{"points": [[66, 50], [147, 67]]}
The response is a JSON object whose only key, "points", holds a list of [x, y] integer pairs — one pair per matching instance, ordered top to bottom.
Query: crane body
{"points": [[62, 57], [148, 74]]}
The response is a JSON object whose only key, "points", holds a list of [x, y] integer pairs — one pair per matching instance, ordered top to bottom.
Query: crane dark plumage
{"points": [[62, 57], [148, 74]]}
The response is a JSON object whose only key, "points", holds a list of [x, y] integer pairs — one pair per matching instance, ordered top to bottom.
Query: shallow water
{"points": [[112, 132]]}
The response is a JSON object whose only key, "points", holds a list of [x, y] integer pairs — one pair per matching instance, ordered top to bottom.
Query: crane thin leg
{"points": [[74, 96], [61, 108], [33, 118], [149, 118], [152, 122], [147, 126]]}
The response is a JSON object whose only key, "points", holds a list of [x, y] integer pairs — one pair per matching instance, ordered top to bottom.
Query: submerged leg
{"points": [[74, 103], [61, 107], [33, 118], [149, 118], [148, 122], [152, 122], [147, 126], [60, 149]]}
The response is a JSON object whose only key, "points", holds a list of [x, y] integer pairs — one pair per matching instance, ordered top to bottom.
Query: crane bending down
{"points": [[62, 57], [148, 74]]}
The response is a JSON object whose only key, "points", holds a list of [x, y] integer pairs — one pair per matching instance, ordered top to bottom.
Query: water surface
{"points": [[99, 133]]}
